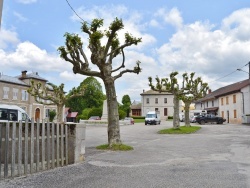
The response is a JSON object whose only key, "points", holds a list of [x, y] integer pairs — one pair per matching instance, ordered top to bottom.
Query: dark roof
{"points": [[33, 75], [13, 80], [226, 90], [151, 92], [135, 106]]}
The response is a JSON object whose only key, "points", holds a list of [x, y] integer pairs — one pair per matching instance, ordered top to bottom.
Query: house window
{"points": [[6, 92], [15, 93], [24, 95], [234, 98], [147, 100], [156, 100], [165, 100], [226, 100], [221, 101], [207, 103], [212, 103], [201, 105], [156, 109], [165, 111], [47, 113], [235, 113], [222, 114]]}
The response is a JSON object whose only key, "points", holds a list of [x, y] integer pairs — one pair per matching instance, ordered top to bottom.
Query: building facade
{"points": [[13, 91], [155, 101], [231, 102]]}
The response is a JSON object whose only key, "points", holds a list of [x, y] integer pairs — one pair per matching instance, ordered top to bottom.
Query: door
{"points": [[37, 114], [227, 116]]}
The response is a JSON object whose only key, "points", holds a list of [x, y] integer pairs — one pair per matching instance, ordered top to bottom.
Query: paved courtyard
{"points": [[216, 156]]}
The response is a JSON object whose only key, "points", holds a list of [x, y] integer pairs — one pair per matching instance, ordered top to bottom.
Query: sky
{"points": [[209, 38]]}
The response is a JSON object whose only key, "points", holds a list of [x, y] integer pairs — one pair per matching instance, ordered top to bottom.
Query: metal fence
{"points": [[31, 147]]}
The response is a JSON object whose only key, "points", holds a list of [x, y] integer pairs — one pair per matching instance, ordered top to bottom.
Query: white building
{"points": [[155, 101], [232, 102]]}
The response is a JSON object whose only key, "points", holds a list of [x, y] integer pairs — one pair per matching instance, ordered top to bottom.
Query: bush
{"points": [[95, 112], [85, 114], [122, 114], [52, 115], [138, 117]]}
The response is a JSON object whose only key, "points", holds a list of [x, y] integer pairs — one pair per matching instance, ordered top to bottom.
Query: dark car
{"points": [[94, 118], [210, 118]]}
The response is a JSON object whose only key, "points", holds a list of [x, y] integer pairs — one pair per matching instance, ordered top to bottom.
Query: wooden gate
{"points": [[31, 147]]}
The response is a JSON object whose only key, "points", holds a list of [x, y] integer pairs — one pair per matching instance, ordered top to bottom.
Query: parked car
{"points": [[94, 118], [210, 118], [193, 119], [132, 122]]}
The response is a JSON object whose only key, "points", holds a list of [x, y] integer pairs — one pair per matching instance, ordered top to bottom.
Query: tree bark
{"points": [[186, 108], [60, 113], [113, 115], [176, 121]]}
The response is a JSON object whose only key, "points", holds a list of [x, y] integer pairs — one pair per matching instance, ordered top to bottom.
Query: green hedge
{"points": [[138, 117], [170, 117]]}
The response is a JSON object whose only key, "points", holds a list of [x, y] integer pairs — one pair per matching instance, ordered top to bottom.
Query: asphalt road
{"points": [[216, 156]]}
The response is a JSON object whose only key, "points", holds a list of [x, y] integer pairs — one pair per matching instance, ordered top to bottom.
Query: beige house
{"points": [[13, 91], [155, 101], [232, 102]]}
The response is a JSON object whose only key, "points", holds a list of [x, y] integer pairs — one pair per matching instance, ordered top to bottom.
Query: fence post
{"points": [[80, 142], [13, 157]]}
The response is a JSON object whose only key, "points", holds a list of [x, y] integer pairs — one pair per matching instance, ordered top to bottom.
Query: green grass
{"points": [[139, 120], [181, 130], [115, 147]]}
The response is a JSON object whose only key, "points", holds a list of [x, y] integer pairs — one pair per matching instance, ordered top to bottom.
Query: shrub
{"points": [[95, 112], [122, 114], [52, 115], [138, 117], [170, 117]]}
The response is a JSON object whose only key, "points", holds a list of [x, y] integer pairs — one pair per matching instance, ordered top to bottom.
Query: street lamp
{"points": [[246, 71]]}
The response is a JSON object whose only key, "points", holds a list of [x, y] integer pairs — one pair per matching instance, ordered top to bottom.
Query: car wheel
{"points": [[202, 122], [145, 123]]}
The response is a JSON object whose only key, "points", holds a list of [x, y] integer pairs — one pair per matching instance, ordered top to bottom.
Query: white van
{"points": [[12, 113], [153, 117]]}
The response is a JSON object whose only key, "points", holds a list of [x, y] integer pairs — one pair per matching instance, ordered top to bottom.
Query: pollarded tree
{"points": [[102, 56], [169, 85], [194, 90], [50, 94]]}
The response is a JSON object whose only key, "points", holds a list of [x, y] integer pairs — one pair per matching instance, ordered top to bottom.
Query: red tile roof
{"points": [[72, 115]]}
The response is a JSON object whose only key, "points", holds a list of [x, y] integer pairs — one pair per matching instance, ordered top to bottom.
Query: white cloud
{"points": [[26, 1], [172, 17], [238, 24], [8, 38], [212, 54], [30, 57]]}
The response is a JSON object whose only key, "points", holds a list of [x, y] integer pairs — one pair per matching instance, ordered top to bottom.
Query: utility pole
{"points": [[1, 10], [249, 70]]}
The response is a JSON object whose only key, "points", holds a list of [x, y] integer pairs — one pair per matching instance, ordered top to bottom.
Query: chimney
{"points": [[24, 74], [143, 91], [209, 91]]}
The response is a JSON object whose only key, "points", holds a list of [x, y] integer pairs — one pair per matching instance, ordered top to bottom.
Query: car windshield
{"points": [[150, 116]]}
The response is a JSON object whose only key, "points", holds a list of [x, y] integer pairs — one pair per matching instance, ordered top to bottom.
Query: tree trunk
{"points": [[186, 108], [60, 113], [113, 115], [176, 121]]}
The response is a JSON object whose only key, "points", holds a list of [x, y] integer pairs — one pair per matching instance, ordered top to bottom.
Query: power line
{"points": [[75, 12], [228, 74]]}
